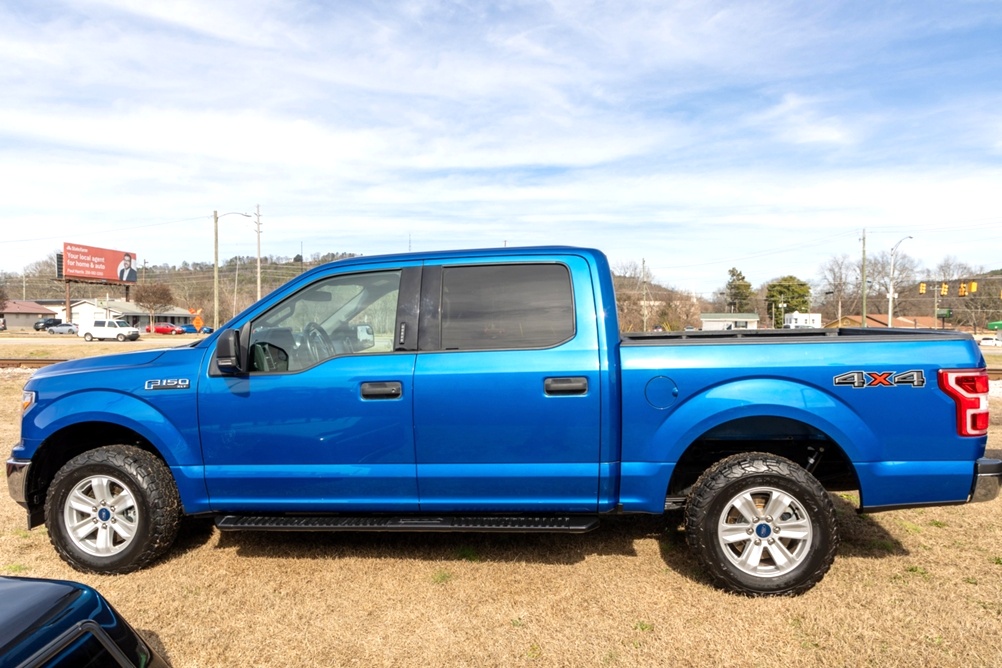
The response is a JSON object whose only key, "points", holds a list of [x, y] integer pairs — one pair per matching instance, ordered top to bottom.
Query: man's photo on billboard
{"points": [[126, 272]]}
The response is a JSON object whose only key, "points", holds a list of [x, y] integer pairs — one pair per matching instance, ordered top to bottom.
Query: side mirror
{"points": [[364, 337], [228, 351]]}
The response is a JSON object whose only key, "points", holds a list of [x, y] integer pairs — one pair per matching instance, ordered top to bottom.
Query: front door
{"points": [[323, 420]]}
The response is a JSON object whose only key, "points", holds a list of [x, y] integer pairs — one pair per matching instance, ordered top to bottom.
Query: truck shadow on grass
{"points": [[861, 537]]}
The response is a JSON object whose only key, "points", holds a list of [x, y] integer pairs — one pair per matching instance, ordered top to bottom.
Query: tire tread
{"points": [[729, 470], [157, 494]]}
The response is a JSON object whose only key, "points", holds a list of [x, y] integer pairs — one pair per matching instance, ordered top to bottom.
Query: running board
{"points": [[485, 523]]}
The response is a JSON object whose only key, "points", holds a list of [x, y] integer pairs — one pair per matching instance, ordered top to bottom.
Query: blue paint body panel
{"points": [[477, 430]]}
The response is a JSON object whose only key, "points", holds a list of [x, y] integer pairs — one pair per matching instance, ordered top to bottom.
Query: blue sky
{"points": [[693, 136]]}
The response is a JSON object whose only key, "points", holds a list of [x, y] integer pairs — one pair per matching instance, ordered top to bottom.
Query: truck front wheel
{"points": [[112, 510], [761, 525]]}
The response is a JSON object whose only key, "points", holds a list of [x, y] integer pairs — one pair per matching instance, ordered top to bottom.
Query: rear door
{"points": [[506, 388]]}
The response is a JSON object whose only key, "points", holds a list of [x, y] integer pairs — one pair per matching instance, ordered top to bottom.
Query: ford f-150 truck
{"points": [[492, 390]]}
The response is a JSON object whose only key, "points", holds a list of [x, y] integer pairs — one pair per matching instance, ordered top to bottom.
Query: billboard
{"points": [[98, 264]]}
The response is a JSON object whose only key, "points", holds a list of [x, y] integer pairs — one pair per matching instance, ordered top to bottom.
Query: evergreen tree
{"points": [[738, 292]]}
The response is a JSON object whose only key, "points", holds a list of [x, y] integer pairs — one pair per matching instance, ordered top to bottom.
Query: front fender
{"points": [[117, 408]]}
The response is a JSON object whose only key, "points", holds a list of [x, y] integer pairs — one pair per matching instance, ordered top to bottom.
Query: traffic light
{"points": [[973, 287], [921, 288], [944, 289], [962, 290]]}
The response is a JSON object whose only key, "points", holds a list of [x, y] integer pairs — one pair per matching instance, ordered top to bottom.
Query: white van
{"points": [[109, 329]]}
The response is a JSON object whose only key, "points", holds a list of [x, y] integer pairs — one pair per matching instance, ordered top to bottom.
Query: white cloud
{"points": [[697, 135]]}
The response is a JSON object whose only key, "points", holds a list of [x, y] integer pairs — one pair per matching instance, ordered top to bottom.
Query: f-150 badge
{"points": [[168, 384]]}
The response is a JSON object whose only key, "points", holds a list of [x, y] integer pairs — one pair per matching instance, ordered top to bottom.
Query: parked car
{"points": [[45, 323], [64, 328], [166, 328], [189, 328], [109, 329], [206, 330], [989, 341], [63, 623]]}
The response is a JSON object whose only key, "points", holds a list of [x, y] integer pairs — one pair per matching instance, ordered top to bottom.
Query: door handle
{"points": [[565, 386], [382, 390]]}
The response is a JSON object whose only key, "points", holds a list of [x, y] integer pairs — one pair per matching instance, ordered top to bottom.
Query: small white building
{"points": [[86, 311], [798, 320], [721, 321]]}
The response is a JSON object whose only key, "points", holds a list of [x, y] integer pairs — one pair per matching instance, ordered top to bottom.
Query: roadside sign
{"points": [[198, 322]]}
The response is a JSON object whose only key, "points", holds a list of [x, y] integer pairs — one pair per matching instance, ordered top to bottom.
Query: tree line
{"points": [[836, 291], [643, 302]]}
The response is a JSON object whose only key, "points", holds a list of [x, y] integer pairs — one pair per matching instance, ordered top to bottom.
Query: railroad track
{"points": [[26, 362], [994, 373]]}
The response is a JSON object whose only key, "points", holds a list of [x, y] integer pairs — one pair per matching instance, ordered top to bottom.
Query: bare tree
{"points": [[952, 269], [878, 272], [838, 287], [154, 298], [640, 299]]}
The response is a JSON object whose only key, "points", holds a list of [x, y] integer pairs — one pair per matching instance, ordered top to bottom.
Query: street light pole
{"points": [[257, 225], [215, 263], [890, 292]]}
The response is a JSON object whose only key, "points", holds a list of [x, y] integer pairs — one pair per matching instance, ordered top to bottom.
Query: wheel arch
{"points": [[775, 416], [89, 424]]}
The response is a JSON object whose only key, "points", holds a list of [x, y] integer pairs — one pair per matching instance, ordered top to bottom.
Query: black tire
{"points": [[88, 337], [120, 337], [779, 530], [124, 538]]}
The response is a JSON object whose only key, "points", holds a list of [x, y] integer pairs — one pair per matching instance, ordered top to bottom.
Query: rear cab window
{"points": [[503, 307]]}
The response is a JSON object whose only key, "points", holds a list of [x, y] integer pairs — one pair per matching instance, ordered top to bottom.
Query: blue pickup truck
{"points": [[492, 390]]}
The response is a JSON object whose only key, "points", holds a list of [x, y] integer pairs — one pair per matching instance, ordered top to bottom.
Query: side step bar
{"points": [[485, 523]]}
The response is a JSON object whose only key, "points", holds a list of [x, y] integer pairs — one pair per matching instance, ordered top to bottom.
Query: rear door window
{"points": [[502, 307]]}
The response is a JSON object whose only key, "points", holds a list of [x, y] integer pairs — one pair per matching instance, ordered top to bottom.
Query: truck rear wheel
{"points": [[88, 337], [112, 510], [761, 525]]}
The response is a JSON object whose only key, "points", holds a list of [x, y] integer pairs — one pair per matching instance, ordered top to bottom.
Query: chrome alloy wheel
{"points": [[100, 516], [765, 532]]}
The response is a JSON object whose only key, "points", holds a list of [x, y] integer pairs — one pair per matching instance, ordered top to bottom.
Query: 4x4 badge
{"points": [[860, 379]]}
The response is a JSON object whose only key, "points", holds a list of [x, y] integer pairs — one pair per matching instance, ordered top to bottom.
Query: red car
{"points": [[166, 328]]}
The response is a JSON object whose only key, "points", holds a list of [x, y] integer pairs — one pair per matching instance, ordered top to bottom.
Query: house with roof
{"points": [[23, 314], [720, 321]]}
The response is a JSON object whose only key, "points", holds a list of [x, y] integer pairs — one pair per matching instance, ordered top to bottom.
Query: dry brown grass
{"points": [[909, 588]]}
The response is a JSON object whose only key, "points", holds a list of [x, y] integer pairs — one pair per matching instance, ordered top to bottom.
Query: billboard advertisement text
{"points": [[98, 264]]}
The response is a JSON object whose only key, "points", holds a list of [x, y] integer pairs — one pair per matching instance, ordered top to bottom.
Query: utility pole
{"points": [[257, 224], [215, 263], [215, 270], [236, 283], [643, 295], [863, 316]]}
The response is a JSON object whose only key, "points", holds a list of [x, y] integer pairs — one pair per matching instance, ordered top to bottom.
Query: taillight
{"points": [[969, 390]]}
